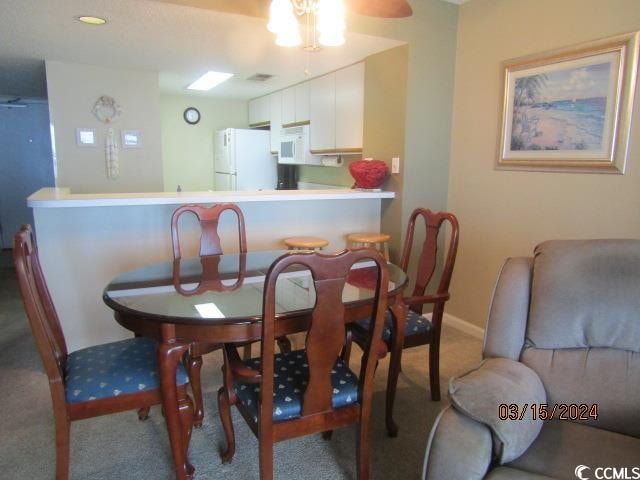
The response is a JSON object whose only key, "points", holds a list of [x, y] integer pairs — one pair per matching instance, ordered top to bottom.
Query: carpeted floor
{"points": [[121, 447]]}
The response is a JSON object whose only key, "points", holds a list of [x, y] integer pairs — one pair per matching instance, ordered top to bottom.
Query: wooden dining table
{"points": [[218, 299]]}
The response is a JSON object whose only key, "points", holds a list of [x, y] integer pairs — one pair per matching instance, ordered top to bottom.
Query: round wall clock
{"points": [[191, 115]]}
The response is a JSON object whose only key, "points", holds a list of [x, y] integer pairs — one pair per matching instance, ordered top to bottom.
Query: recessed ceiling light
{"points": [[91, 20], [210, 80]]}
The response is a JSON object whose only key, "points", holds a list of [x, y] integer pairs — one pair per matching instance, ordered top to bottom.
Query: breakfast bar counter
{"points": [[87, 239]]}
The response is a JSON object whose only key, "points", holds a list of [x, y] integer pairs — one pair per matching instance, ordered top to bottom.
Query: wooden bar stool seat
{"points": [[369, 239], [305, 243]]}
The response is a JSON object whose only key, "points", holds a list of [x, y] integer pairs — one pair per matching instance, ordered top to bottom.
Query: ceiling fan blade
{"points": [[381, 8]]}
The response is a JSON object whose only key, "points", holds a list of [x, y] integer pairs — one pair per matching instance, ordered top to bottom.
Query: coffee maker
{"points": [[287, 177]]}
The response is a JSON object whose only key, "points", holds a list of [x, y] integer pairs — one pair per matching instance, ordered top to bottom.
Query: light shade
{"points": [[209, 80]]}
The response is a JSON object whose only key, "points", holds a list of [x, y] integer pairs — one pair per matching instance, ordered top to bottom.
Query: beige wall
{"points": [[73, 90], [187, 150], [506, 213]]}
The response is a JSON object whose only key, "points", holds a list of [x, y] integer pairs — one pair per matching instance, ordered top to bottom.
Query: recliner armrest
{"points": [[458, 447]]}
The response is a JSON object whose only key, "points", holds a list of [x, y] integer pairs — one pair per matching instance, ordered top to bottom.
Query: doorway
{"points": [[26, 163]]}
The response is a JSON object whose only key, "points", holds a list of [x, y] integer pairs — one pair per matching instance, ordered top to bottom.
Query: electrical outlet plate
{"points": [[395, 165]]}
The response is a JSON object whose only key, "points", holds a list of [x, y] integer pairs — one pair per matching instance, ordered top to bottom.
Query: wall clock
{"points": [[191, 115]]}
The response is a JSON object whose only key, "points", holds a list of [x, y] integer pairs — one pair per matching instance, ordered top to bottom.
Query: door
{"points": [[26, 161], [224, 182]]}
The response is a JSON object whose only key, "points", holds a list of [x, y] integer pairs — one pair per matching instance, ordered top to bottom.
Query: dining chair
{"points": [[209, 250], [418, 329], [94, 381], [312, 390]]}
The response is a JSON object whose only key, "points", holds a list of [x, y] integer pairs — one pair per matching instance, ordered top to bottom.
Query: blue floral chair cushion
{"points": [[415, 324], [113, 369], [291, 374]]}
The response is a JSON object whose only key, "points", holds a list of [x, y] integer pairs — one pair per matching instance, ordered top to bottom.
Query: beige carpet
{"points": [[121, 447]]}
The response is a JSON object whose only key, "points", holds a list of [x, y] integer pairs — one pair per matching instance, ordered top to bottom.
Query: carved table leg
{"points": [[398, 310], [169, 354], [195, 364]]}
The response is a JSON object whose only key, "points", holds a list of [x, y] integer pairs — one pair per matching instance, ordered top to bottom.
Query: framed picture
{"points": [[570, 109], [86, 137], [131, 139]]}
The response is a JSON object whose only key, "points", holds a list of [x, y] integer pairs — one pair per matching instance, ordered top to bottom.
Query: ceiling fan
{"points": [[260, 8]]}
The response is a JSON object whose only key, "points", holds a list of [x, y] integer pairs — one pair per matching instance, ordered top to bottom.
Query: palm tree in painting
{"points": [[526, 92]]}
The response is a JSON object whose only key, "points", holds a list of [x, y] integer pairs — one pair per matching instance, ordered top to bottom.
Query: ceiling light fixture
{"points": [[89, 20], [325, 23], [209, 80]]}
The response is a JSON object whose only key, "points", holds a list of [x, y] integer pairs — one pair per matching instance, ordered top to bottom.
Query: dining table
{"points": [[219, 299]]}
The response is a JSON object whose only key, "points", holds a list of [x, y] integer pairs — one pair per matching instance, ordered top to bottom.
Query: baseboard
{"points": [[463, 325]]}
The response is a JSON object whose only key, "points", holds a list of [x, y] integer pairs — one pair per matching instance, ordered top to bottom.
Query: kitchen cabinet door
{"points": [[302, 102], [288, 105], [349, 107], [259, 110], [275, 110], [322, 113]]}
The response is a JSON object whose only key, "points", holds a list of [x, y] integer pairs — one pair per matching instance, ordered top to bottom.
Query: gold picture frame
{"points": [[570, 109]]}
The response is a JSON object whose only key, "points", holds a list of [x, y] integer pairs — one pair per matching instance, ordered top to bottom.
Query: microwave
{"points": [[294, 147]]}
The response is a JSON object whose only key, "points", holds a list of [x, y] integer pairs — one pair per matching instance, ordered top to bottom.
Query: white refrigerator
{"points": [[243, 160]]}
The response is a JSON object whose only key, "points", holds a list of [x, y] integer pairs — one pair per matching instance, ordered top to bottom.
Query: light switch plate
{"points": [[395, 165]]}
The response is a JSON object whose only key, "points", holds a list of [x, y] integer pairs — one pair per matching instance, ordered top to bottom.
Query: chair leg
{"points": [[284, 344], [194, 364], [434, 370], [185, 408], [224, 408], [143, 413], [63, 432], [327, 435], [363, 450], [266, 458]]}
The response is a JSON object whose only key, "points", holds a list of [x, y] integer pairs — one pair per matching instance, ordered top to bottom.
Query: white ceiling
{"points": [[179, 42]]}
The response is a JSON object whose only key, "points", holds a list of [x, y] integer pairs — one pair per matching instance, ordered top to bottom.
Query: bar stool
{"points": [[369, 239], [305, 243]]}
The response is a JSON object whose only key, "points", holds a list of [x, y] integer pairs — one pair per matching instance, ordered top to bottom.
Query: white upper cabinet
{"points": [[302, 102], [289, 105], [259, 110], [336, 110], [322, 113], [275, 117], [349, 121]]}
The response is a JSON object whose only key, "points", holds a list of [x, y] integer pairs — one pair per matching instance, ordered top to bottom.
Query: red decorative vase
{"points": [[368, 174]]}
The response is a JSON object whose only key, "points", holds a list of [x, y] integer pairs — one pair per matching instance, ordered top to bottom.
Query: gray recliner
{"points": [[563, 329]]}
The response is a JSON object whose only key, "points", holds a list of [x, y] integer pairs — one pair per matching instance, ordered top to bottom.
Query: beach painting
{"points": [[562, 109]]}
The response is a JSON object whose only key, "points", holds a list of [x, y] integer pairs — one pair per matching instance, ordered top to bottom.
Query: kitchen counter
{"points": [[62, 197], [85, 240]]}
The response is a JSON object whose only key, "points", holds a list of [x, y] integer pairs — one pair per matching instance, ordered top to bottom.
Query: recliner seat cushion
{"points": [[563, 445]]}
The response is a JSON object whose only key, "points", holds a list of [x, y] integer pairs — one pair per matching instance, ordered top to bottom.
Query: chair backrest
{"points": [[208, 218], [428, 256], [210, 279], [39, 306], [326, 329]]}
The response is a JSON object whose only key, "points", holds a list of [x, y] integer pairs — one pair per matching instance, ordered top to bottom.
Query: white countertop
{"points": [[62, 197]]}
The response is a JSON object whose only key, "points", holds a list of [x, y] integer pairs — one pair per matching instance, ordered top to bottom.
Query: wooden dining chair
{"points": [[210, 248], [418, 329], [93, 381], [310, 390]]}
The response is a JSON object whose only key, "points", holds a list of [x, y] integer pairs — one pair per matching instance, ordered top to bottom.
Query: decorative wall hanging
{"points": [[570, 109], [107, 110], [111, 155]]}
